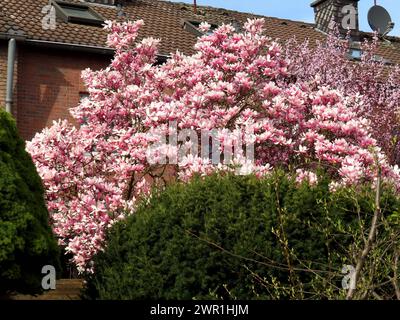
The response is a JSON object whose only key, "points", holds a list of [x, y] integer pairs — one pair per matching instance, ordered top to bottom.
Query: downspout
{"points": [[12, 45]]}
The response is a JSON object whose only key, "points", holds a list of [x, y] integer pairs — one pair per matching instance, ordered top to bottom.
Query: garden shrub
{"points": [[232, 237], [26, 240]]}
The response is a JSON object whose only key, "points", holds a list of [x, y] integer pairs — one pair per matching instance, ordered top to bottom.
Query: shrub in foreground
{"points": [[228, 237], [26, 239]]}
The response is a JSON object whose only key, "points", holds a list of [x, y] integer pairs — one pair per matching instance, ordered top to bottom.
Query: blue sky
{"points": [[300, 9]]}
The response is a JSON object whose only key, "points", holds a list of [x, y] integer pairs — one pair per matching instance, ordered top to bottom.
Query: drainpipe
{"points": [[10, 74]]}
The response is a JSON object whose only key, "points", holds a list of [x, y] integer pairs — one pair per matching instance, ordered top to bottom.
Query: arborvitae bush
{"points": [[229, 237], [26, 240]]}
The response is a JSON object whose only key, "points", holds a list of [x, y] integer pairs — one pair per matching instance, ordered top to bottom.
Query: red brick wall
{"points": [[49, 83]]}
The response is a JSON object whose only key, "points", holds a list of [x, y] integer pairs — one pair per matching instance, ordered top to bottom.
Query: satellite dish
{"points": [[379, 20]]}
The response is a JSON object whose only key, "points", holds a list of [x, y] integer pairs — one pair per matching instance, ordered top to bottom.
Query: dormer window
{"points": [[77, 13], [194, 27], [355, 54], [378, 58]]}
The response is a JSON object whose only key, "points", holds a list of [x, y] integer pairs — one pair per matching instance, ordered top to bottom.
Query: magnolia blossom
{"points": [[97, 173], [308, 176]]}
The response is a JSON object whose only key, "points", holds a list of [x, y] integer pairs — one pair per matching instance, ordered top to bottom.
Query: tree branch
{"points": [[370, 240], [395, 276]]}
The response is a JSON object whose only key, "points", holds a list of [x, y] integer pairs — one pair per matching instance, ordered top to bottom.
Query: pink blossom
{"points": [[234, 83], [303, 175]]}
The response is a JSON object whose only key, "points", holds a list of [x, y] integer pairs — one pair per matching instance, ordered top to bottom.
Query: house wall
{"points": [[49, 83]]}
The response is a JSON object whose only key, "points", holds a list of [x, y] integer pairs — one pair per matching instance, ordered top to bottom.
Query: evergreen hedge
{"points": [[233, 237], [26, 240]]}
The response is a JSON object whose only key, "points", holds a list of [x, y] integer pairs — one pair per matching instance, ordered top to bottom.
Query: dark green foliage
{"points": [[231, 237], [26, 239]]}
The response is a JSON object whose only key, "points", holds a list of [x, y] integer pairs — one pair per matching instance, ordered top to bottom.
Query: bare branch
{"points": [[371, 237], [395, 276]]}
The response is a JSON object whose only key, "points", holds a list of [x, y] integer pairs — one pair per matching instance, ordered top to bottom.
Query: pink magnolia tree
{"points": [[97, 172]]}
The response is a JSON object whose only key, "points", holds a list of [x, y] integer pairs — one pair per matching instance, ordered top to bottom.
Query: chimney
{"points": [[343, 12]]}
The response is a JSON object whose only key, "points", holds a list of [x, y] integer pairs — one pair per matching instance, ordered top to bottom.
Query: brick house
{"points": [[48, 58]]}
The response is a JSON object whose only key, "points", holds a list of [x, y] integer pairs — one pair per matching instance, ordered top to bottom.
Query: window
{"points": [[77, 13], [193, 27], [355, 54], [378, 58], [82, 96]]}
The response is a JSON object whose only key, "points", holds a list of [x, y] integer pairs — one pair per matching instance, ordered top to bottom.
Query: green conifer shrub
{"points": [[235, 237], [26, 239]]}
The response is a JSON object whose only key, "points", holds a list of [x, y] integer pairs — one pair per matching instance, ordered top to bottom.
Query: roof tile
{"points": [[162, 20]]}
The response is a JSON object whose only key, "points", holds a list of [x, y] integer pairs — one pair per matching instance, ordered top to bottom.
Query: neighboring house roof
{"points": [[162, 19]]}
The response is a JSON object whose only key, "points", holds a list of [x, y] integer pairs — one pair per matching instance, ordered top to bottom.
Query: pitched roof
{"points": [[163, 19]]}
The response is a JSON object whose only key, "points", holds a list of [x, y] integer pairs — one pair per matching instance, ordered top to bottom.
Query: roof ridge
{"points": [[216, 9], [390, 38]]}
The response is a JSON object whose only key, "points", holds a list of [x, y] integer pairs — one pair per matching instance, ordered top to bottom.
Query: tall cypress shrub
{"points": [[26, 239]]}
